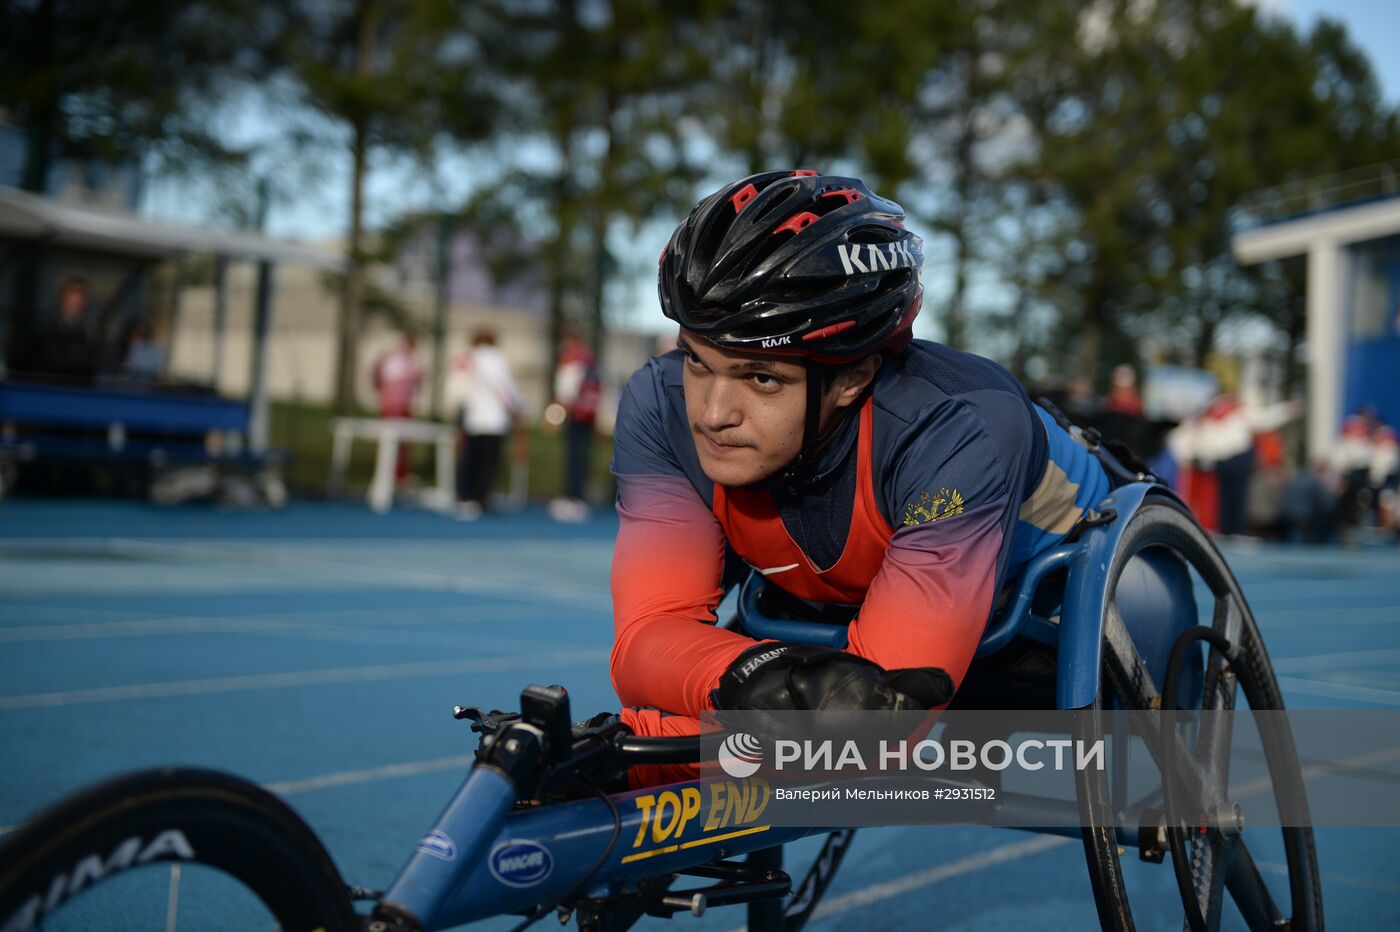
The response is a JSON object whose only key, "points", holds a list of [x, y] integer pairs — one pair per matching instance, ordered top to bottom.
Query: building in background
{"points": [[1348, 228], [301, 364]]}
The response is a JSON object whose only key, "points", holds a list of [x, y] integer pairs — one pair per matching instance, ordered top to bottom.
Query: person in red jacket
{"points": [[397, 377]]}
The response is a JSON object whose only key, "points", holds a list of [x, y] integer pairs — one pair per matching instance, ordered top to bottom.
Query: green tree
{"points": [[392, 78], [123, 82], [600, 90], [1150, 123]]}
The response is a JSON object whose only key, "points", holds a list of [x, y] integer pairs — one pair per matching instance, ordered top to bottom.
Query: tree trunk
{"points": [[43, 120], [565, 205], [602, 214], [351, 311], [955, 320], [1091, 329]]}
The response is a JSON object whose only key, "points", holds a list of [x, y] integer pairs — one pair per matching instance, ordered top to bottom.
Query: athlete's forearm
{"points": [[672, 663]]}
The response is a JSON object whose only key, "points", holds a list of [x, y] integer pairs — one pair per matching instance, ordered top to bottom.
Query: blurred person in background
{"points": [[66, 348], [144, 358], [397, 376], [578, 390], [1123, 395], [1080, 402], [489, 404], [1229, 443], [1215, 451], [1352, 460], [1385, 476], [1264, 499], [1308, 508]]}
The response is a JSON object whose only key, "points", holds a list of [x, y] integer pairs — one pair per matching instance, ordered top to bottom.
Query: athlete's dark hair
{"points": [[796, 263]]}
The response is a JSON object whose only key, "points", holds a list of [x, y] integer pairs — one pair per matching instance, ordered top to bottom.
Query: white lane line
{"points": [[571, 581], [528, 587], [1324, 618], [238, 624], [389, 636], [1345, 660], [259, 681], [1293, 684], [1346, 767], [370, 774], [347, 778], [1339, 879], [874, 893]]}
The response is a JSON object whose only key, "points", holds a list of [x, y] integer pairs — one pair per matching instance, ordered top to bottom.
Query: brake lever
{"points": [[483, 723]]}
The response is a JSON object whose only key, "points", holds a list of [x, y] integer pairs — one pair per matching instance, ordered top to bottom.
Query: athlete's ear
{"points": [[853, 379]]}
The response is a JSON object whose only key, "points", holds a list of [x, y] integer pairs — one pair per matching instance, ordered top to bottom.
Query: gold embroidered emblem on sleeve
{"points": [[945, 504]]}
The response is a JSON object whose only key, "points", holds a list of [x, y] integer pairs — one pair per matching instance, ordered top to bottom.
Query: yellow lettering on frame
{"points": [[758, 800], [738, 802], [644, 803], [690, 808], [716, 817], [660, 832]]}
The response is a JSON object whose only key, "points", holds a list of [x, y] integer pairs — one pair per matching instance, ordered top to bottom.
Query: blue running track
{"points": [[320, 650]]}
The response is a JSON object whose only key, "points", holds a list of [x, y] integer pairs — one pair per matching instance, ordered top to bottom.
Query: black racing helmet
{"points": [[797, 263]]}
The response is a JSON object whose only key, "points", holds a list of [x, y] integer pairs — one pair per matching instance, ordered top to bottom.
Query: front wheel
{"points": [[171, 848]]}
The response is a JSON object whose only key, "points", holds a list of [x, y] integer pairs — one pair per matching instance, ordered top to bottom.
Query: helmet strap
{"points": [[811, 422], [811, 427]]}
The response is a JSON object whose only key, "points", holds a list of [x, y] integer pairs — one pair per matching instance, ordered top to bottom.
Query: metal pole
{"points": [[443, 298], [220, 316], [259, 426]]}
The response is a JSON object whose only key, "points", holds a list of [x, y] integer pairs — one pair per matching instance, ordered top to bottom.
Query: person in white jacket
{"points": [[490, 402]]}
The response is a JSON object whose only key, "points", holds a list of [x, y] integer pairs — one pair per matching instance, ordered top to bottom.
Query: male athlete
{"points": [[798, 429]]}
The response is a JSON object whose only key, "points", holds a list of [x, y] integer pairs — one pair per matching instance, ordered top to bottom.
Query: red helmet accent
{"points": [[803, 173], [850, 194], [741, 200], [797, 223], [828, 331]]}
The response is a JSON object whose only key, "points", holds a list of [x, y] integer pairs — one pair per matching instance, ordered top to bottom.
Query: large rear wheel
{"points": [[171, 848], [1215, 865]]}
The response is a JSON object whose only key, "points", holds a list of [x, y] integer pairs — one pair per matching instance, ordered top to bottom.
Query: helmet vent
{"points": [[873, 234]]}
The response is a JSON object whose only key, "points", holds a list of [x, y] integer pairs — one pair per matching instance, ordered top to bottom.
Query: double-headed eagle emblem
{"points": [[945, 504]]}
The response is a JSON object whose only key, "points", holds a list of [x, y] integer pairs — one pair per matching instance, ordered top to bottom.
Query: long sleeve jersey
{"points": [[939, 489]]}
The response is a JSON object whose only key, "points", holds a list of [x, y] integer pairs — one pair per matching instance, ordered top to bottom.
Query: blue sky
{"points": [[1373, 24]]}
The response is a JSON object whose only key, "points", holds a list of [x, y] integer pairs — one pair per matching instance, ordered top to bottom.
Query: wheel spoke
{"points": [[1169, 749], [1210, 859], [1249, 891], [172, 903]]}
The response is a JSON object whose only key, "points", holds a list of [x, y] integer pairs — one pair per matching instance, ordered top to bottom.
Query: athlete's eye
{"points": [[765, 382]]}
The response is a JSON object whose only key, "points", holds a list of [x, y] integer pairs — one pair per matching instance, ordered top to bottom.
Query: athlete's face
{"points": [[747, 411]]}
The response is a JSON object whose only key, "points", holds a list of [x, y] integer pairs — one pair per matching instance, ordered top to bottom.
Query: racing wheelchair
{"points": [[1139, 612]]}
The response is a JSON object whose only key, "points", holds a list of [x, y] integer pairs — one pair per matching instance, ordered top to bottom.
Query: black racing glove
{"points": [[781, 677]]}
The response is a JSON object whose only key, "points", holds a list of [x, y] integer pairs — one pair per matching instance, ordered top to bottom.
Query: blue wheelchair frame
{"points": [[483, 859]]}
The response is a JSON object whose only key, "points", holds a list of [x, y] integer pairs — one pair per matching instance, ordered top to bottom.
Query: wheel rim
{"points": [[1218, 865]]}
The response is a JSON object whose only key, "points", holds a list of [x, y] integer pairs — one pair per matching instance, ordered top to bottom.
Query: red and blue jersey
{"points": [[921, 507]]}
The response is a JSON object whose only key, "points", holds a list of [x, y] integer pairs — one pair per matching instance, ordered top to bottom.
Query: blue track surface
{"points": [[320, 650]]}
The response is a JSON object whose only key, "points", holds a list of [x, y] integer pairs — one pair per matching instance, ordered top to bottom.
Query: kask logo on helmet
{"points": [[876, 260]]}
